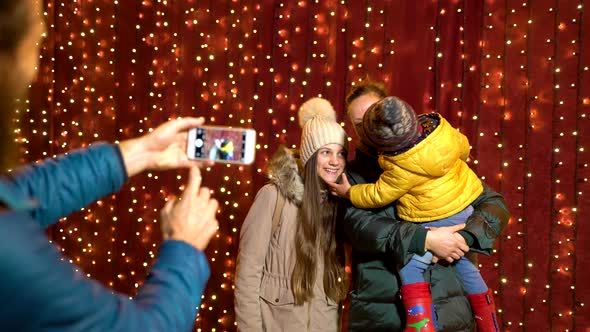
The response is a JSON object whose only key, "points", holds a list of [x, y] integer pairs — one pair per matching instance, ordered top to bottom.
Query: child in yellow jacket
{"points": [[425, 174]]}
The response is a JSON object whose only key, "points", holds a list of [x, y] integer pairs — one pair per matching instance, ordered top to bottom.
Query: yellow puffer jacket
{"points": [[431, 181]]}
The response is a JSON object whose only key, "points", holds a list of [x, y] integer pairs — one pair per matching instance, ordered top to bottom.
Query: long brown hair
{"points": [[15, 24], [317, 232]]}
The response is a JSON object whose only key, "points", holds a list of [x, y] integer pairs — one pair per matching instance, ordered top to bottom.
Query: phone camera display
{"points": [[199, 143], [219, 144]]}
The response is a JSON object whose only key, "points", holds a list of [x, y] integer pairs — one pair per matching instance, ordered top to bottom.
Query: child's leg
{"points": [[456, 219], [414, 271], [470, 276], [415, 291], [480, 297]]}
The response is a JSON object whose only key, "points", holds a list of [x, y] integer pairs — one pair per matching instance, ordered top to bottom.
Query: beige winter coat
{"points": [[263, 296]]}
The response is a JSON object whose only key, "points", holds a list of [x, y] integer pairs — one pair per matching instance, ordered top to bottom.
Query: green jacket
{"points": [[380, 242]]}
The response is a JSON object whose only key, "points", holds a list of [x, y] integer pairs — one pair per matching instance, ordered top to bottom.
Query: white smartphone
{"points": [[222, 144]]}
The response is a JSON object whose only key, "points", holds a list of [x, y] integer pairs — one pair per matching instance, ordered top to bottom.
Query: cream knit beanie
{"points": [[318, 120]]}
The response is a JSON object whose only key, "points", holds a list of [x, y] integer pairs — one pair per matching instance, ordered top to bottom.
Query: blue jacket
{"points": [[42, 292]]}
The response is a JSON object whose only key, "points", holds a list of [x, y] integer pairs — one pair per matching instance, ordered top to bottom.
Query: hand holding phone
{"points": [[222, 144]]}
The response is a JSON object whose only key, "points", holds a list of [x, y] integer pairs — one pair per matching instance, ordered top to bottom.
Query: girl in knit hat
{"points": [[425, 173], [290, 268]]}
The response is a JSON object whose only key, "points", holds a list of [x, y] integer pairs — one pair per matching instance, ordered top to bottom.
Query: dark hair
{"points": [[15, 24], [366, 87], [317, 231]]}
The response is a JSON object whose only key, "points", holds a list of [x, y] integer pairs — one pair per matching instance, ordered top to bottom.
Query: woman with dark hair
{"points": [[290, 272]]}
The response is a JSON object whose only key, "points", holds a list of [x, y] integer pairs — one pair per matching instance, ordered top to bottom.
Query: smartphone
{"points": [[222, 144]]}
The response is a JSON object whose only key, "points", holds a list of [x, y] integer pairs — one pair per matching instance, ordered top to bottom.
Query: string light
{"points": [[513, 77]]}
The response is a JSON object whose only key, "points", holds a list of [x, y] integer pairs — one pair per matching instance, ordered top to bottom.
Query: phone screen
{"points": [[219, 144]]}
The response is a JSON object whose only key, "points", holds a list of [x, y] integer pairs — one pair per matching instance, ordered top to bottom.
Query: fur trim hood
{"points": [[284, 171]]}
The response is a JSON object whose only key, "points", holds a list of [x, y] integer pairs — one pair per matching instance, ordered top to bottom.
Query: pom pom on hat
{"points": [[316, 107], [317, 118]]}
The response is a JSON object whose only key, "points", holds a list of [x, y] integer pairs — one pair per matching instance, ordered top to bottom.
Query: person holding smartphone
{"points": [[382, 243], [290, 272], [40, 290]]}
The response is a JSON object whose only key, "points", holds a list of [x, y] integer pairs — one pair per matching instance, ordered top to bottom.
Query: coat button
{"points": [[277, 300]]}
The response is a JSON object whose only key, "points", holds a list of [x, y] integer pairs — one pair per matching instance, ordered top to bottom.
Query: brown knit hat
{"points": [[318, 120], [389, 125]]}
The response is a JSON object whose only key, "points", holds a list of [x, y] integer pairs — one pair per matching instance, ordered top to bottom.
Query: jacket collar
{"points": [[284, 170]]}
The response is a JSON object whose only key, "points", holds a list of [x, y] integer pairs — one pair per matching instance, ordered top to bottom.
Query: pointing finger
{"points": [[194, 182]]}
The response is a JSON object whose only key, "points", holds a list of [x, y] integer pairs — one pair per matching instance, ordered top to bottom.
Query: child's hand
{"points": [[340, 189]]}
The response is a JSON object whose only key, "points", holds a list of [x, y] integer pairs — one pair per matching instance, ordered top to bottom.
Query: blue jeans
{"points": [[468, 273]]}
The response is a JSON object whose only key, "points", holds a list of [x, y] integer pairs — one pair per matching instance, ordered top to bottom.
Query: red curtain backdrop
{"points": [[512, 75]]}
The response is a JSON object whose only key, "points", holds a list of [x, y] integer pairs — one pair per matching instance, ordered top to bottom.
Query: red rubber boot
{"points": [[419, 309], [484, 310]]}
